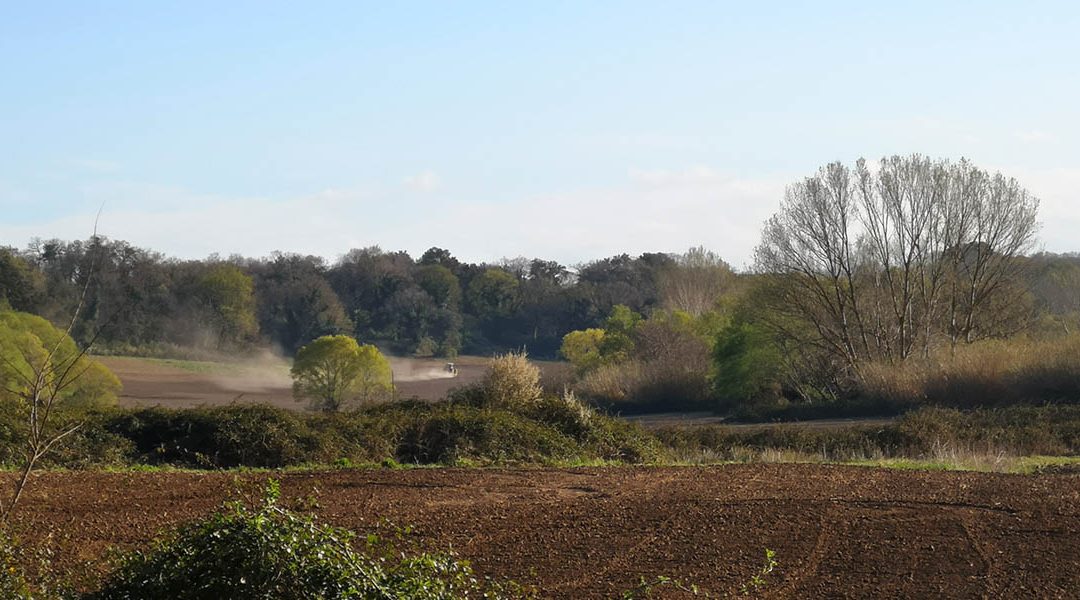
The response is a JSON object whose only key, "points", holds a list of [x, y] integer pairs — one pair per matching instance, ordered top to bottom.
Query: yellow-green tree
{"points": [[582, 349], [335, 372], [48, 382]]}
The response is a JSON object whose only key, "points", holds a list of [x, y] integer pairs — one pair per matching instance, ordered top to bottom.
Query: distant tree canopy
{"points": [[21, 286], [229, 296], [297, 304]]}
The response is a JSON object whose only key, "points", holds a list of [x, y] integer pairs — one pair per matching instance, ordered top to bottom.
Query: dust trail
{"points": [[411, 369], [259, 373]]}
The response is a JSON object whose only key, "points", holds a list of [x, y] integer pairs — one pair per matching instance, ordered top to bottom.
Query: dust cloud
{"points": [[411, 369], [264, 372], [268, 373]]}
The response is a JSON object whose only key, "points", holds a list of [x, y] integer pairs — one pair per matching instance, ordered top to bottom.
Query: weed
{"points": [[759, 580]]}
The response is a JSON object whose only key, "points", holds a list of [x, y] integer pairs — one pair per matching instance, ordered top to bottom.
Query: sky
{"points": [[564, 130]]}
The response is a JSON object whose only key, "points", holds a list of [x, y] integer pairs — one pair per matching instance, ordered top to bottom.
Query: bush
{"points": [[748, 366], [512, 381], [611, 385], [550, 430], [450, 434], [248, 435], [601, 436], [268, 552]]}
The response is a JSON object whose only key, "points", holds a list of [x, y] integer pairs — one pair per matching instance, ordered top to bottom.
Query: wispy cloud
{"points": [[1034, 136], [95, 165], [695, 175], [426, 181], [651, 210]]}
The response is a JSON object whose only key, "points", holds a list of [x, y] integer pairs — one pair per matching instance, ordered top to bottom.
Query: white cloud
{"points": [[1034, 136], [95, 165], [695, 175], [427, 181], [651, 211], [655, 212]]}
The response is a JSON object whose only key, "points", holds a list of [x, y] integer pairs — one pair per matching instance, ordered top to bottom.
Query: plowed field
{"points": [[157, 383], [838, 532]]}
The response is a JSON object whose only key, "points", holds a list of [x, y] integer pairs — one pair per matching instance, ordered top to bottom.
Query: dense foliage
{"points": [[141, 301], [29, 346], [334, 372], [552, 431], [267, 551]]}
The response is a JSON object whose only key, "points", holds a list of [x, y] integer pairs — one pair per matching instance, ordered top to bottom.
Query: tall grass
{"points": [[986, 374], [984, 437]]}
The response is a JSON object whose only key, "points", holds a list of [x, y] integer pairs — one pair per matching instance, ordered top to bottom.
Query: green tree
{"points": [[441, 284], [21, 286], [229, 294], [493, 294], [296, 304], [619, 328], [582, 349], [748, 365], [334, 371], [49, 383]]}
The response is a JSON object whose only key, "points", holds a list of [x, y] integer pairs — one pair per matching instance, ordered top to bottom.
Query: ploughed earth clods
{"points": [[592, 532]]}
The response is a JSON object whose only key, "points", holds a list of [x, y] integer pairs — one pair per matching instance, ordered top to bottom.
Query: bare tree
{"points": [[808, 253], [880, 264], [695, 281], [40, 383]]}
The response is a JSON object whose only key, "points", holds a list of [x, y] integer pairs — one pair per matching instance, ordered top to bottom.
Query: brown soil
{"points": [[148, 383], [840, 532]]}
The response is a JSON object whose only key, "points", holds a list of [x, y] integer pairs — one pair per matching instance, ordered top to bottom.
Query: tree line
{"points": [[864, 269], [434, 305]]}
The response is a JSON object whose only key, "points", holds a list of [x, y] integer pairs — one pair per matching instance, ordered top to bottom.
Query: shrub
{"points": [[582, 349], [748, 365], [512, 381], [611, 385], [450, 433], [924, 433], [238, 435], [266, 552], [13, 583]]}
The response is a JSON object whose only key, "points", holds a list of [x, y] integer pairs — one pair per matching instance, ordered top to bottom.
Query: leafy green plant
{"points": [[265, 552], [759, 580], [13, 583], [649, 588]]}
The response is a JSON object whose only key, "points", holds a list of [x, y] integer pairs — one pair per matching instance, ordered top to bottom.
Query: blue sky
{"points": [[569, 130]]}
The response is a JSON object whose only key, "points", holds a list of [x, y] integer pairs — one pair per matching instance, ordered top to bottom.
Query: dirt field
{"points": [[161, 383], [839, 532]]}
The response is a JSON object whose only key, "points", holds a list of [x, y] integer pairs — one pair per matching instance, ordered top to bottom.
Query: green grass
{"points": [[195, 366], [207, 367]]}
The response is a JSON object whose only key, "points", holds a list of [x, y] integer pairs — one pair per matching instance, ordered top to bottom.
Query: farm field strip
{"points": [[591, 532]]}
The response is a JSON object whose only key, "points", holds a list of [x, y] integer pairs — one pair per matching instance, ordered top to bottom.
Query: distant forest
{"points": [[434, 305]]}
